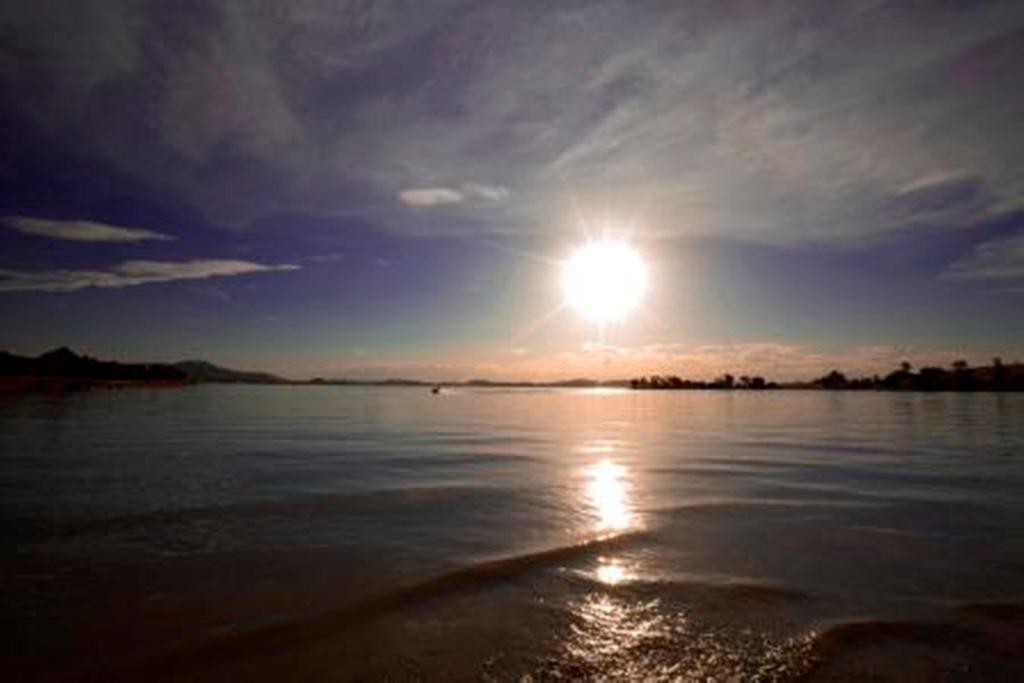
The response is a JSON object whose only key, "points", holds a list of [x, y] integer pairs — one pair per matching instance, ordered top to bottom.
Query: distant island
{"points": [[64, 369]]}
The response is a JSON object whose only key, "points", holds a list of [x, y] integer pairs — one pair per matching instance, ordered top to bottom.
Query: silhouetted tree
{"points": [[998, 374], [931, 379], [833, 380], [962, 380]]}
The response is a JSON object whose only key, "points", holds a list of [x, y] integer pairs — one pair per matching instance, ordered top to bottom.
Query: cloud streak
{"points": [[430, 196], [434, 196], [80, 231], [1000, 260], [129, 274]]}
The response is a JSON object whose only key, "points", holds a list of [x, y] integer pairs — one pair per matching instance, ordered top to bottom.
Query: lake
{"points": [[223, 532]]}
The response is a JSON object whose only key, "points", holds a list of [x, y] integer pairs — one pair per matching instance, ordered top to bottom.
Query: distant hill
{"points": [[65, 364], [202, 371]]}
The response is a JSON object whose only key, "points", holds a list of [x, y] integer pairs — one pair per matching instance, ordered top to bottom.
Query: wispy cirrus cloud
{"points": [[768, 122], [931, 180], [494, 193], [430, 196], [80, 231], [999, 260], [129, 274]]}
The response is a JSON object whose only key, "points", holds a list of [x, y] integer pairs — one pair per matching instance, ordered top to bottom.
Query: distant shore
{"points": [[64, 370], [960, 376], [63, 384]]}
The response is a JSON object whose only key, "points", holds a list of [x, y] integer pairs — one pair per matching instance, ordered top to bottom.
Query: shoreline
{"points": [[16, 385]]}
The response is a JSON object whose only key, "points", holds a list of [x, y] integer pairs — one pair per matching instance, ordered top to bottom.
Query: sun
{"points": [[604, 280]]}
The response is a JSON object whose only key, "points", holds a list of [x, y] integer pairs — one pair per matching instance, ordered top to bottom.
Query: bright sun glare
{"points": [[604, 280]]}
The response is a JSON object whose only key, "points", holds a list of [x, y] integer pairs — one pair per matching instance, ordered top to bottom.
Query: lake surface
{"points": [[340, 533]]}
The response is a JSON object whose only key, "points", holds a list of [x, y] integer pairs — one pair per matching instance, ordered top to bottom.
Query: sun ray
{"points": [[533, 256], [538, 323]]}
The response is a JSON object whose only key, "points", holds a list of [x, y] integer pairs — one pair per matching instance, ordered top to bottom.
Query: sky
{"points": [[347, 188]]}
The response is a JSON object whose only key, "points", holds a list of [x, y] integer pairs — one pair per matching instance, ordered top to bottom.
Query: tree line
{"points": [[959, 376], [726, 381]]}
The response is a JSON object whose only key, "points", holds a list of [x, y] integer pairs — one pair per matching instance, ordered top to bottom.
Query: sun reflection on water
{"points": [[609, 496], [611, 571], [617, 632], [615, 637]]}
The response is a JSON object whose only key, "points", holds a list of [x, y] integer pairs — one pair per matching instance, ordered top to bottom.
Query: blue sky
{"points": [[374, 188]]}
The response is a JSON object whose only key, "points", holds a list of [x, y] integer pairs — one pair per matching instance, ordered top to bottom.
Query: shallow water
{"points": [[338, 533]]}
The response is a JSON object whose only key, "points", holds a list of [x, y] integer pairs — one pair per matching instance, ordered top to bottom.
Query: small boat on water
{"points": [[436, 389]]}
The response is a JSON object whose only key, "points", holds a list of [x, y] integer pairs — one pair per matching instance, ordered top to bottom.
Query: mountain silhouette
{"points": [[65, 364]]}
